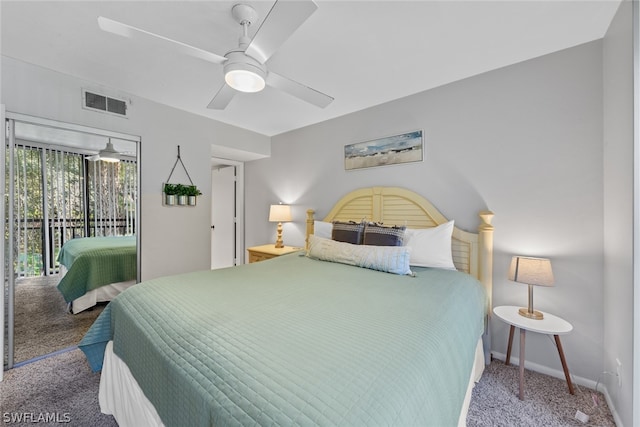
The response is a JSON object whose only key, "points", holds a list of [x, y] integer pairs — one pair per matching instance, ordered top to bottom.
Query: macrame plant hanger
{"points": [[179, 159], [171, 201]]}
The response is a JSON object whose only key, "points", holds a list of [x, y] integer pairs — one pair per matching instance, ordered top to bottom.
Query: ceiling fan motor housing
{"points": [[244, 73]]}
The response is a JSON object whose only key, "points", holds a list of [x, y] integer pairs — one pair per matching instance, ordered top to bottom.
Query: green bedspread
{"points": [[96, 261], [298, 341]]}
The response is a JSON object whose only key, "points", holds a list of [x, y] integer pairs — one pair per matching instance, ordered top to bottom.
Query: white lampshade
{"points": [[280, 213], [531, 271]]}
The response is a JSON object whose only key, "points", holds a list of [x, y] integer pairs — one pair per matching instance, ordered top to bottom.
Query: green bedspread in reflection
{"points": [[92, 262], [296, 341]]}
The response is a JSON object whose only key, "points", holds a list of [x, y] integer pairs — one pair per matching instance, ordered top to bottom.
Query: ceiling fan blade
{"points": [[281, 21], [124, 30], [298, 90], [222, 98]]}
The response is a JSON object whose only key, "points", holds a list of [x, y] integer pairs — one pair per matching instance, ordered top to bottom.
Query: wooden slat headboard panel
{"points": [[472, 252]]}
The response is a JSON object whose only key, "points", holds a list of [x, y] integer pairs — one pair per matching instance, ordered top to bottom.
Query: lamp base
{"points": [[279, 242], [535, 314]]}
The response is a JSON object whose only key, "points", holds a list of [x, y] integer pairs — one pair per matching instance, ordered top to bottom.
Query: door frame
{"points": [[5, 133], [215, 163], [635, 391]]}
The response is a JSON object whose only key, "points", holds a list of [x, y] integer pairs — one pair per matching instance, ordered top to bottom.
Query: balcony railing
{"points": [[37, 257]]}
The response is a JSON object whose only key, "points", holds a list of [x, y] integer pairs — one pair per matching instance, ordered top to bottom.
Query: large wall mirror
{"points": [[71, 231]]}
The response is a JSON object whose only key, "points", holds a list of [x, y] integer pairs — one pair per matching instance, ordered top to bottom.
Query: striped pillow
{"points": [[348, 232], [378, 235]]}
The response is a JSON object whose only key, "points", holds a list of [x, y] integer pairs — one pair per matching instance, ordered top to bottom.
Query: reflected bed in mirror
{"points": [[63, 194], [96, 269]]}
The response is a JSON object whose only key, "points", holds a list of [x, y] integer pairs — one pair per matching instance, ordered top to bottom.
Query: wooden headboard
{"points": [[472, 252]]}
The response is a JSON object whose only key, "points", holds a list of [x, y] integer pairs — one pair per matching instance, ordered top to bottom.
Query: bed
{"points": [[96, 269], [297, 340]]}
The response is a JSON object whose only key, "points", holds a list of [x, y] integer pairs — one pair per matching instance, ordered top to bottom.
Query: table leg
{"points": [[522, 336], [508, 359], [564, 364]]}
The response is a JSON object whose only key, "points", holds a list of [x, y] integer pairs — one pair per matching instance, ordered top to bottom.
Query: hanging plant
{"points": [[170, 193], [192, 193], [180, 194]]}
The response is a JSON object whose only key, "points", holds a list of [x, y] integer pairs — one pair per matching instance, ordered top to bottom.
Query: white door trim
{"points": [[215, 162]]}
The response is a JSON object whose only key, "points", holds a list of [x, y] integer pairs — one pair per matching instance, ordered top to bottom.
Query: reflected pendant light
{"points": [[109, 154]]}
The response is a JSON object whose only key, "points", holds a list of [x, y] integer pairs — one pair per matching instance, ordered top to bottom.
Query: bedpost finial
{"points": [[310, 214], [486, 217], [310, 227]]}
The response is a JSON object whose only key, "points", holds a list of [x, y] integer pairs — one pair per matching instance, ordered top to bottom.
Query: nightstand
{"points": [[264, 252], [549, 325]]}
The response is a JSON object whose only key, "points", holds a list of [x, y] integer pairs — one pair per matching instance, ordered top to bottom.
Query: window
{"points": [[61, 195]]}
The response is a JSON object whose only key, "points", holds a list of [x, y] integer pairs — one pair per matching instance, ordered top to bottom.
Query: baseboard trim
{"points": [[560, 374], [612, 407]]}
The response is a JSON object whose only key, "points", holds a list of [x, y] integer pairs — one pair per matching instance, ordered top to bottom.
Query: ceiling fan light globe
{"points": [[244, 73], [245, 80], [109, 159]]}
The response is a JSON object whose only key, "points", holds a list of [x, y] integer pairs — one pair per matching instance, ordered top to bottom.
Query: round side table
{"points": [[549, 325]]}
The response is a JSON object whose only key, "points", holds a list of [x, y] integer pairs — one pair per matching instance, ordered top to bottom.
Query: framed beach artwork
{"points": [[391, 150]]}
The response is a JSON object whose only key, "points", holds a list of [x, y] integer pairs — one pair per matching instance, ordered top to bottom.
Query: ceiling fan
{"points": [[244, 66]]}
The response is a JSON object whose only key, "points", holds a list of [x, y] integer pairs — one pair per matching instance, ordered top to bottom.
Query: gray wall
{"points": [[524, 141], [618, 209], [174, 240]]}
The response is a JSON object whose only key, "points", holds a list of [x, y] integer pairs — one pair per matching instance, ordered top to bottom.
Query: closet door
{"points": [[6, 166], [44, 184], [2, 244]]}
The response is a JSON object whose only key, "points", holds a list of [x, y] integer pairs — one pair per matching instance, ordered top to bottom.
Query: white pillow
{"points": [[322, 229], [431, 247], [390, 259]]}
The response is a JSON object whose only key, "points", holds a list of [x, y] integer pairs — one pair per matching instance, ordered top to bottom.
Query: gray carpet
{"points": [[42, 323], [64, 384], [61, 386], [547, 401]]}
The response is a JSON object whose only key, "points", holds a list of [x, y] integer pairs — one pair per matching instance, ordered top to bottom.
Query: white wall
{"points": [[524, 141], [618, 209], [173, 239]]}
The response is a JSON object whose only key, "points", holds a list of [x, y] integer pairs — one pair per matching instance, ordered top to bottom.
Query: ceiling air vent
{"points": [[105, 104]]}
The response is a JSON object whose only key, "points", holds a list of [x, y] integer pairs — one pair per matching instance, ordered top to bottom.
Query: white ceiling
{"points": [[363, 53]]}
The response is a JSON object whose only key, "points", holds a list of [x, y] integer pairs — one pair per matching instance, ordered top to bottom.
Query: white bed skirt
{"points": [[102, 294], [476, 373], [121, 396]]}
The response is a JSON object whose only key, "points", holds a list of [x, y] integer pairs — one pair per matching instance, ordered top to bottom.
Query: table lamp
{"points": [[280, 213], [531, 271]]}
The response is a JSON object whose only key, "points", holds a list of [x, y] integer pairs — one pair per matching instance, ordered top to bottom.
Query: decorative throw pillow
{"points": [[322, 229], [348, 232], [378, 235], [431, 247], [390, 259]]}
